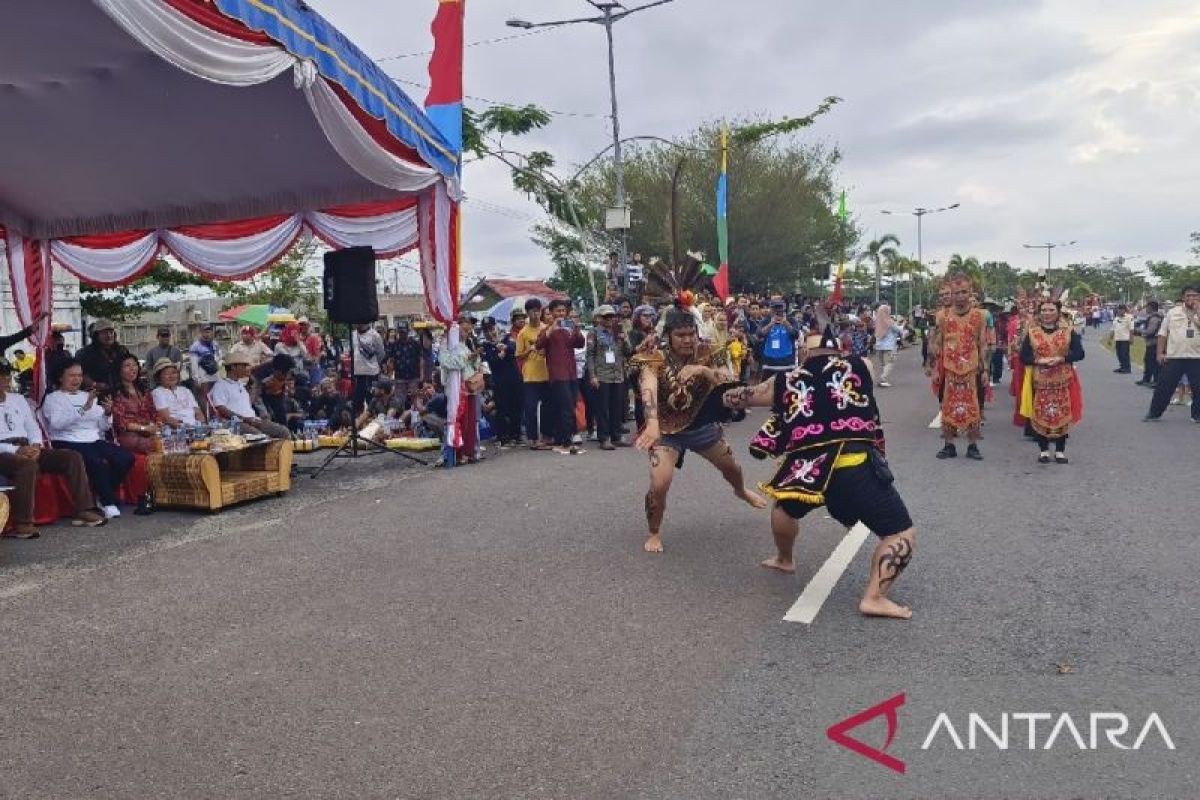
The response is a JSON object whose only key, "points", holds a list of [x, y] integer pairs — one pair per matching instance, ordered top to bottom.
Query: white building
{"points": [[66, 309]]}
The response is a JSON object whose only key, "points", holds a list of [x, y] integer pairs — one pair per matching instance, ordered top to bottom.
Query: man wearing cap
{"points": [[253, 348], [164, 349], [607, 349], [205, 356], [102, 357], [231, 399], [23, 455]]}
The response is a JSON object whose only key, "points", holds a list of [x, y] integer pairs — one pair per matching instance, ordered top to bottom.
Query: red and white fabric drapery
{"points": [[201, 41], [236, 250], [30, 278]]}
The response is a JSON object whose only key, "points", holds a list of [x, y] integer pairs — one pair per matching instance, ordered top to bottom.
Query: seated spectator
{"points": [[291, 346], [273, 384], [231, 399], [176, 405], [384, 405], [329, 406], [435, 410], [293, 413], [78, 420], [135, 420], [23, 456]]}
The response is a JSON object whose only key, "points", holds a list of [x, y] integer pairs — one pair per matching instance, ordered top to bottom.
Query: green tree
{"points": [[781, 202], [876, 253], [571, 270], [291, 283], [141, 296]]}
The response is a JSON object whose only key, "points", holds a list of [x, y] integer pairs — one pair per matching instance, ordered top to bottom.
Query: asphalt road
{"points": [[496, 631]]}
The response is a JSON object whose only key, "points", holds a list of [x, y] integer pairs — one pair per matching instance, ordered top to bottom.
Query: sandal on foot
{"points": [[21, 531]]}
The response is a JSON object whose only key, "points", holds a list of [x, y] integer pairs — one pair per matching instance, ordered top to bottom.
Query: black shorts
{"points": [[858, 494]]}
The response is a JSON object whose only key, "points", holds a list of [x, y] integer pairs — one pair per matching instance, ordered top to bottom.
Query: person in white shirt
{"points": [[1122, 336], [252, 347], [366, 350], [1178, 355], [230, 399], [176, 405], [79, 420], [23, 456]]}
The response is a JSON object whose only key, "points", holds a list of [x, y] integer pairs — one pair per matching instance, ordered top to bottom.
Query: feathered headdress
{"points": [[677, 284]]}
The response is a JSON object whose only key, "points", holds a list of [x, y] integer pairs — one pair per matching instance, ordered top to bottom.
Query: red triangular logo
{"points": [[838, 733]]}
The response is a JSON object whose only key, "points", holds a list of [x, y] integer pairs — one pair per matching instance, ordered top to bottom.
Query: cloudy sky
{"points": [[1048, 120]]}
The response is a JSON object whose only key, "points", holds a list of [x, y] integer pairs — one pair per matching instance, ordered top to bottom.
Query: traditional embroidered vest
{"points": [[681, 402], [820, 407]]}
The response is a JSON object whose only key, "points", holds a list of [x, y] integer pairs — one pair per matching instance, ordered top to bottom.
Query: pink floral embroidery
{"points": [[856, 424], [803, 431], [804, 470]]}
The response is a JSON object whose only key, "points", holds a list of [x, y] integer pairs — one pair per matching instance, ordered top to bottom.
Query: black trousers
{"points": [[1123, 356], [997, 365], [1150, 367], [1168, 380], [584, 387], [362, 390], [535, 395], [562, 403], [509, 409], [610, 411], [1060, 444], [107, 465]]}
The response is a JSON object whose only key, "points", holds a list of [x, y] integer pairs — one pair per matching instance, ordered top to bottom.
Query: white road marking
{"points": [[819, 588]]}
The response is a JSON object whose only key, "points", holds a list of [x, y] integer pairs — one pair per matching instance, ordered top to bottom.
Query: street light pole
{"points": [[609, 17], [618, 159], [919, 212], [1049, 248]]}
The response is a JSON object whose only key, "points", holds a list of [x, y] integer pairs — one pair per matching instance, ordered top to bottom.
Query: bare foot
{"points": [[753, 499], [653, 544], [775, 562], [882, 607]]}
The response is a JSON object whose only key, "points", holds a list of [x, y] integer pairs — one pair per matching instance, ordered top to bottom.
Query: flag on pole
{"points": [[444, 106], [721, 281], [836, 296]]}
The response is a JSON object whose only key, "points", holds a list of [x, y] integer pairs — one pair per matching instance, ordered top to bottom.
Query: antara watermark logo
{"points": [[1023, 730]]}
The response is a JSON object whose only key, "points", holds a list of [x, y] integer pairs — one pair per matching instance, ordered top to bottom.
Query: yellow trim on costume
{"points": [[303, 34], [1027, 394], [815, 498]]}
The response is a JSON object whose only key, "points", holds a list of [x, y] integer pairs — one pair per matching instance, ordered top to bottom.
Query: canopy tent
{"points": [[219, 131]]}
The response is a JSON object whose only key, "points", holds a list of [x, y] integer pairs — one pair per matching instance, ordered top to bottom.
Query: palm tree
{"points": [[879, 250], [970, 267], [910, 269]]}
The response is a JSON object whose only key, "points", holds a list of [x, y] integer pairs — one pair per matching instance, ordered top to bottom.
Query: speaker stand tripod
{"points": [[357, 442]]}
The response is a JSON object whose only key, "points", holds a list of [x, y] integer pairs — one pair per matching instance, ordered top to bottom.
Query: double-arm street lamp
{"points": [[610, 14], [919, 212], [1049, 248]]}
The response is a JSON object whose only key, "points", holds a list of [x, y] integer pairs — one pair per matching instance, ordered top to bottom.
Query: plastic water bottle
{"points": [[235, 425]]}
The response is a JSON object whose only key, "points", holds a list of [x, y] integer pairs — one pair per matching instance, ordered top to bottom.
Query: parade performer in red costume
{"points": [[959, 350], [1051, 398]]}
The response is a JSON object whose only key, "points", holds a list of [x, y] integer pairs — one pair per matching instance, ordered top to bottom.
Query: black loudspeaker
{"points": [[349, 285]]}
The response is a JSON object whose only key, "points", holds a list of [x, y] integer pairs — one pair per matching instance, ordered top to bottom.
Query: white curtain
{"points": [[195, 48], [358, 149], [389, 234], [234, 258], [107, 266]]}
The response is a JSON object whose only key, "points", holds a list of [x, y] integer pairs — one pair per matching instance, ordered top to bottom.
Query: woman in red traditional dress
{"points": [[1053, 401]]}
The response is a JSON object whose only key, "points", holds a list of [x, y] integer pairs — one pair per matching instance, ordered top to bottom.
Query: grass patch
{"points": [[1137, 348]]}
